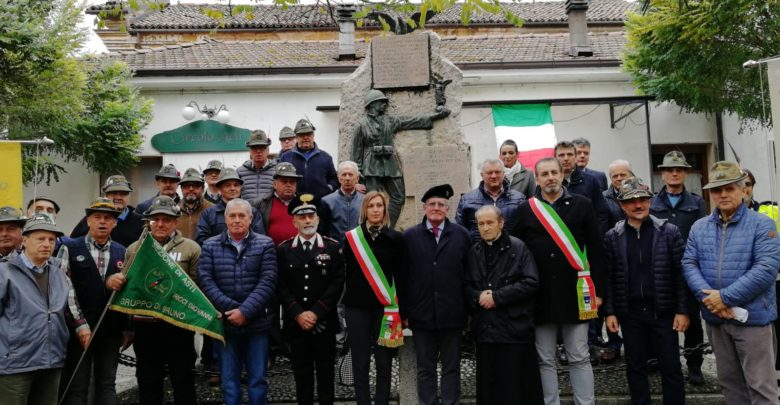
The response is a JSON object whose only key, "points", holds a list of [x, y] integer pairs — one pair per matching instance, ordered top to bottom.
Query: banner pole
{"points": [[97, 326], [84, 352]]}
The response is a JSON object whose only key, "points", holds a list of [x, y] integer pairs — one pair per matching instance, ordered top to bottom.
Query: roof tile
{"points": [[212, 54]]}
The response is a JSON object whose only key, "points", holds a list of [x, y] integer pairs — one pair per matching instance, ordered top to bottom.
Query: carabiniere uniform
{"points": [[311, 281]]}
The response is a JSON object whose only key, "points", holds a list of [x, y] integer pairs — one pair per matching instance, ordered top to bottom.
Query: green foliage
{"points": [[403, 7], [691, 52], [87, 106], [106, 135]]}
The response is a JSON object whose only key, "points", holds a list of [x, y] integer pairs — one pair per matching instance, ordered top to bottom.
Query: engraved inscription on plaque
{"points": [[400, 61], [429, 166]]}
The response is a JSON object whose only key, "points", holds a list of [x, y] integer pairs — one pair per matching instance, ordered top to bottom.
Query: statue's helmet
{"points": [[373, 95]]}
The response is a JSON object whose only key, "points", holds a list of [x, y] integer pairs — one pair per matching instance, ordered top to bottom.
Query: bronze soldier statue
{"points": [[374, 151]]}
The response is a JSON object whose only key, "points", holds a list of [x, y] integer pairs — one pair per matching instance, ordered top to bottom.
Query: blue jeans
{"points": [[241, 350]]}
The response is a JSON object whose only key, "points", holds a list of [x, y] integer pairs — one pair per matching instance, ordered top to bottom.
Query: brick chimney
{"points": [[347, 24], [578, 28]]}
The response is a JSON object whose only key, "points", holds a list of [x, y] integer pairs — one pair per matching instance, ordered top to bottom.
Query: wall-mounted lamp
{"points": [[219, 114]]}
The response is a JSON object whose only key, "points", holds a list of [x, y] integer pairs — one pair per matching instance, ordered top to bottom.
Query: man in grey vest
{"points": [[257, 172]]}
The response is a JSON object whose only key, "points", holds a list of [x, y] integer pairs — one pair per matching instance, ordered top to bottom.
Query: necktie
{"points": [[435, 231], [306, 246]]}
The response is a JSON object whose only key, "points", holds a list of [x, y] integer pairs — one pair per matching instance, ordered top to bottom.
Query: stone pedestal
{"points": [[407, 371]]}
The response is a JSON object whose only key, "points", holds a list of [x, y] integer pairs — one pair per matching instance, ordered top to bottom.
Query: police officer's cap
{"points": [[303, 204]]}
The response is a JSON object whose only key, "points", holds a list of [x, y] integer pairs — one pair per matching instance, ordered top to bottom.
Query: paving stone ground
{"points": [[610, 382]]}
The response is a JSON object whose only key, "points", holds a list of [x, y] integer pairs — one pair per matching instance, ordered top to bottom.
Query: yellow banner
{"points": [[11, 174]]}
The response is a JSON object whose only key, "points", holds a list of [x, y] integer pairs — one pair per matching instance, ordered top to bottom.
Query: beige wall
{"points": [[75, 190]]}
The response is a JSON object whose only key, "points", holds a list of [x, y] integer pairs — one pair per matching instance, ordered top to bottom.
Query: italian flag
{"points": [[530, 126]]}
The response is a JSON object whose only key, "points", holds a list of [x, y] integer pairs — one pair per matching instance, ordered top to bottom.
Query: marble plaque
{"points": [[400, 61], [428, 166]]}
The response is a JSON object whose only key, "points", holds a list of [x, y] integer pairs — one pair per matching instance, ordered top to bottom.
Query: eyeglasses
{"points": [[191, 185]]}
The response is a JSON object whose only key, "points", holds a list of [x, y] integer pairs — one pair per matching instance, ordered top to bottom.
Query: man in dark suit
{"points": [[582, 147], [311, 278], [431, 288], [561, 300]]}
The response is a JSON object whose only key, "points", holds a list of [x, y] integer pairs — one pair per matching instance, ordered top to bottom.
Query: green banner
{"points": [[202, 136], [158, 287]]}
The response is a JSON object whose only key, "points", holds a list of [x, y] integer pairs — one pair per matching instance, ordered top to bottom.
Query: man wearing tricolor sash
{"points": [[561, 230]]}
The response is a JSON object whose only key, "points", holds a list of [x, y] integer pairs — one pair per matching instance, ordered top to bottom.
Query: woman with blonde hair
{"points": [[374, 254]]}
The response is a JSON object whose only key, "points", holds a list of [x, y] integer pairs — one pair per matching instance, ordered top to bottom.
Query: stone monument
{"points": [[418, 82]]}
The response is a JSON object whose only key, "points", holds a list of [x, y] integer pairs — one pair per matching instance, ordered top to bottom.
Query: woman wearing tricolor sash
{"points": [[561, 230], [374, 254]]}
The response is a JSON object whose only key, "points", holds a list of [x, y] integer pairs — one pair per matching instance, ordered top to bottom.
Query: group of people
{"points": [[534, 259]]}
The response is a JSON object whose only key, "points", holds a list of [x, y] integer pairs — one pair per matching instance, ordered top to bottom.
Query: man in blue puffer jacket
{"points": [[313, 163], [492, 190], [730, 264], [237, 273]]}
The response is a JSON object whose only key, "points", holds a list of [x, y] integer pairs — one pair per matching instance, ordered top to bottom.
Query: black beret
{"points": [[441, 191]]}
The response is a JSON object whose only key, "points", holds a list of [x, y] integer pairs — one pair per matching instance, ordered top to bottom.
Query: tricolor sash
{"points": [[560, 233], [391, 331]]}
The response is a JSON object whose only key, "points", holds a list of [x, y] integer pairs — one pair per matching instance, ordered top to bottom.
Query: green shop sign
{"points": [[202, 136]]}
